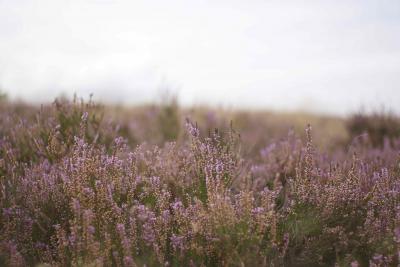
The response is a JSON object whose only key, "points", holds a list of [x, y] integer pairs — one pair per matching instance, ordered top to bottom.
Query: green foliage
{"points": [[3, 97], [169, 119], [378, 127]]}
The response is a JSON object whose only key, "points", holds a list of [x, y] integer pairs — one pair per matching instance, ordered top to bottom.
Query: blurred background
{"points": [[325, 57]]}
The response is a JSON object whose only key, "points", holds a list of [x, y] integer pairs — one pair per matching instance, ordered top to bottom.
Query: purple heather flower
{"points": [[84, 116], [194, 131], [119, 141], [266, 151], [219, 167], [76, 205], [177, 205], [257, 210], [7, 212], [165, 215], [120, 228], [91, 229], [148, 234], [397, 234], [177, 241], [128, 261]]}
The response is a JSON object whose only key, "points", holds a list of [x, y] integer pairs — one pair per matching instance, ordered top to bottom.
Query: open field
{"points": [[89, 185]]}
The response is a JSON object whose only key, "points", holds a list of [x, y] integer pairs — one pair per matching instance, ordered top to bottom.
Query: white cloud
{"points": [[336, 55]]}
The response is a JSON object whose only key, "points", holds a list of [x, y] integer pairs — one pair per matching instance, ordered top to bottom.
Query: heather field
{"points": [[83, 184]]}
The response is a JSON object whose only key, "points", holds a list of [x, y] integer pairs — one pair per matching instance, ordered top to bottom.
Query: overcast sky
{"points": [[324, 56]]}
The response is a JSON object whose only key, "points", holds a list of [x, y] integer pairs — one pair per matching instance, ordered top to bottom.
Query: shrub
{"points": [[378, 127], [74, 193]]}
